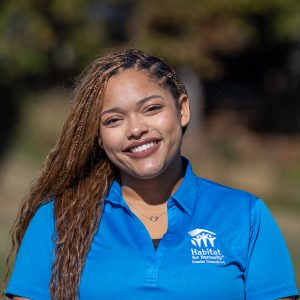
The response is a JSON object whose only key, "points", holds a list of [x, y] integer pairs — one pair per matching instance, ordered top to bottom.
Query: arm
{"points": [[32, 270], [269, 272]]}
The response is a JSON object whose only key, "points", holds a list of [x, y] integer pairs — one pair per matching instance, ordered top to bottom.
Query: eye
{"points": [[153, 108], [112, 122]]}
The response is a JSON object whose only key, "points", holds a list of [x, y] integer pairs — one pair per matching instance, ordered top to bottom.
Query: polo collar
{"points": [[188, 190], [115, 194], [185, 195]]}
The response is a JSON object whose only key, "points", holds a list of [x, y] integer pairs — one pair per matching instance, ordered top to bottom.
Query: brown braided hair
{"points": [[77, 173]]}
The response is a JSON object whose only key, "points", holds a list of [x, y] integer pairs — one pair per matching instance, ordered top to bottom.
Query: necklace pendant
{"points": [[154, 218]]}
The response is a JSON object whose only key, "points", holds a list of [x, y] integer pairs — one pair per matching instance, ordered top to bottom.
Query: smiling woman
{"points": [[142, 135], [118, 212]]}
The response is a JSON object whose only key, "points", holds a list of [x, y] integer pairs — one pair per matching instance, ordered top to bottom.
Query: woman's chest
{"points": [[190, 263]]}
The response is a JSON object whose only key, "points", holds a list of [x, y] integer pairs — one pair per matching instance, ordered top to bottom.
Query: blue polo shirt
{"points": [[221, 243]]}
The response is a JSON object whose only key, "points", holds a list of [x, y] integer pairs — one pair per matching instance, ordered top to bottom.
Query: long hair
{"points": [[77, 174]]}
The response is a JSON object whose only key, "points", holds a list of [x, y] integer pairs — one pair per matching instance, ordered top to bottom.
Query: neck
{"points": [[154, 191]]}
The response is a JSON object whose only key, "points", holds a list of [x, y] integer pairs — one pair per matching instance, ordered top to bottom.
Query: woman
{"points": [[115, 186]]}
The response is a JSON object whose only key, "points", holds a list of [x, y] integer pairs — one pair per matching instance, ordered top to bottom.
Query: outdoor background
{"points": [[239, 59]]}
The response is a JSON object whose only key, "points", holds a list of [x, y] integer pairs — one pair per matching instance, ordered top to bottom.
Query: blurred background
{"points": [[239, 59]]}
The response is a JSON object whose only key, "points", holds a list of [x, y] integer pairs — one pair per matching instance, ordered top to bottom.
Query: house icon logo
{"points": [[202, 237]]}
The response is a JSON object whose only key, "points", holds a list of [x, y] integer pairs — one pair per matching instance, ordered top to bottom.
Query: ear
{"points": [[184, 110], [100, 143]]}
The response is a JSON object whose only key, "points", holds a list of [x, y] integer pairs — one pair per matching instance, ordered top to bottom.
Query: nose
{"points": [[136, 128]]}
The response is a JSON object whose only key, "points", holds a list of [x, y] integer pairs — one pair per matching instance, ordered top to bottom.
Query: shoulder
{"points": [[216, 192], [230, 205], [233, 207], [45, 210], [45, 213], [42, 223], [38, 238], [32, 269]]}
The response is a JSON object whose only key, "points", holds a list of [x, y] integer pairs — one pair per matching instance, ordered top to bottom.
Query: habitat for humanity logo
{"points": [[205, 251]]}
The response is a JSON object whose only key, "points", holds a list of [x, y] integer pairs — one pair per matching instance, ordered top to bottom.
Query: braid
{"points": [[157, 70], [77, 173]]}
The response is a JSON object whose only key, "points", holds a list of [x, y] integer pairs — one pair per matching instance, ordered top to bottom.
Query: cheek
{"points": [[170, 124], [109, 140]]}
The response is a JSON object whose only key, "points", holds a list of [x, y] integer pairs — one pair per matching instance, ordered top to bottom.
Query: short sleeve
{"points": [[32, 270], [269, 273]]}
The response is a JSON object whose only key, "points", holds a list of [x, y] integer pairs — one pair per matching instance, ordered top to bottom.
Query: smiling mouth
{"points": [[143, 147]]}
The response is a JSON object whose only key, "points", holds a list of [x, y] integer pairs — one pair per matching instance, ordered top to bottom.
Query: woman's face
{"points": [[141, 125]]}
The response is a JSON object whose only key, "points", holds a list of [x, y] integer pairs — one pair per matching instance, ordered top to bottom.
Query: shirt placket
{"points": [[154, 259]]}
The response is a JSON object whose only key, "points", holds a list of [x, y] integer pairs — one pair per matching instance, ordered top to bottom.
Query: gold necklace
{"points": [[152, 218]]}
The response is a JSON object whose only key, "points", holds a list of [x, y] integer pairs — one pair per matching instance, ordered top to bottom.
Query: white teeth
{"points": [[142, 147]]}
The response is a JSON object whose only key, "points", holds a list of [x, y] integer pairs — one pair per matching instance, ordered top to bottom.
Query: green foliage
{"points": [[192, 32], [39, 36]]}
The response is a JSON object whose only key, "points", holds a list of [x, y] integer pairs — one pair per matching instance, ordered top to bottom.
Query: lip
{"points": [[139, 143], [144, 153]]}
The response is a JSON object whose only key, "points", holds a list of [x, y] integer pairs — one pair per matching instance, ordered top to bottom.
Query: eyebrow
{"points": [[139, 102]]}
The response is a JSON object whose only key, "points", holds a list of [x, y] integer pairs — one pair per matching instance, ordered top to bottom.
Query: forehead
{"points": [[132, 84]]}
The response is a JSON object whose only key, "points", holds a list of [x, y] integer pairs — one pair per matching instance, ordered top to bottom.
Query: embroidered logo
{"points": [[202, 236], [205, 251]]}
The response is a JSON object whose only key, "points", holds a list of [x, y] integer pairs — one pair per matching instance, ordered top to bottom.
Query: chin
{"points": [[149, 173], [146, 175]]}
